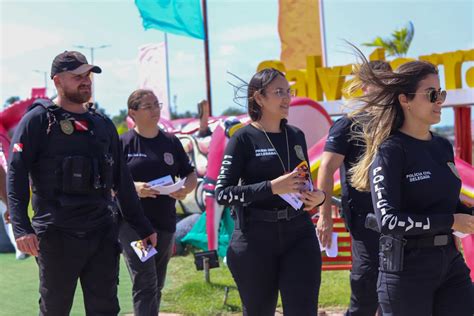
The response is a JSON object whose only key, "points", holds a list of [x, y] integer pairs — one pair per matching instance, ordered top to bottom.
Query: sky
{"points": [[242, 33]]}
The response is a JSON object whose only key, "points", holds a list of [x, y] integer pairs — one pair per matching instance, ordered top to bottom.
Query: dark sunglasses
{"points": [[435, 95]]}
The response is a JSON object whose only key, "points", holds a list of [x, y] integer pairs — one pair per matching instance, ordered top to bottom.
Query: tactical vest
{"points": [[76, 161]]}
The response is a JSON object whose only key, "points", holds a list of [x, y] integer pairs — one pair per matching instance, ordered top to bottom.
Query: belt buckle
{"points": [[282, 214], [440, 240]]}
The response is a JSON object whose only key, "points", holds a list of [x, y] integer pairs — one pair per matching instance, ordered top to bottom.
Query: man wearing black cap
{"points": [[73, 158]]}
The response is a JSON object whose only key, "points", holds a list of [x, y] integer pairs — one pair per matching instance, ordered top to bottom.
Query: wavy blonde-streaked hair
{"points": [[381, 113]]}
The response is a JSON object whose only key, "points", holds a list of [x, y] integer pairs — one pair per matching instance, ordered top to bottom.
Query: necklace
{"points": [[287, 147]]}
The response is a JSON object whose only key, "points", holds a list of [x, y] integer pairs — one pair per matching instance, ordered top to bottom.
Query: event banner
{"points": [[152, 73]]}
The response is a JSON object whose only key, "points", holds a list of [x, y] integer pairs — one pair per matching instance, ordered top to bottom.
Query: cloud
{"points": [[19, 39], [226, 50], [184, 57], [184, 65], [119, 69], [13, 83]]}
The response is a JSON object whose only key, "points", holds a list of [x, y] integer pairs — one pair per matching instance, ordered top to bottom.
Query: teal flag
{"points": [[180, 17]]}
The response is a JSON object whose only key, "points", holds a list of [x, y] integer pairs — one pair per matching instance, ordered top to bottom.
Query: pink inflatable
{"points": [[10, 117], [213, 210]]}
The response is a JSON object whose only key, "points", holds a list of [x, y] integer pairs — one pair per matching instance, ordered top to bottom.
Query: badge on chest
{"points": [[69, 125], [66, 127], [168, 158]]}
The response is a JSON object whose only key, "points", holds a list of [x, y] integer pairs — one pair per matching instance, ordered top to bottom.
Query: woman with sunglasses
{"points": [[150, 154], [415, 191], [274, 246]]}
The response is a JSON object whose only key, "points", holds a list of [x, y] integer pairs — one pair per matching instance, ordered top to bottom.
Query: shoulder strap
{"points": [[46, 104], [50, 107], [92, 110]]}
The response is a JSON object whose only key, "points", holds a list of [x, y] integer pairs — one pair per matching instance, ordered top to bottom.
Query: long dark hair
{"points": [[259, 82], [381, 113]]}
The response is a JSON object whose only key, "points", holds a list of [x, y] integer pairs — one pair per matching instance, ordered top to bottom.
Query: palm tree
{"points": [[398, 44]]}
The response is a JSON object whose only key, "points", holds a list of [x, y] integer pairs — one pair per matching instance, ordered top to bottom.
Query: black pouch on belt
{"points": [[391, 249]]}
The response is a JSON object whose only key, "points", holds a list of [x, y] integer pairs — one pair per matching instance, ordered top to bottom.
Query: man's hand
{"points": [[203, 108], [144, 191], [6, 217], [324, 230], [150, 240], [29, 244]]}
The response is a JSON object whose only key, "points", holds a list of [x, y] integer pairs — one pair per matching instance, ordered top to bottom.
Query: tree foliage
{"points": [[399, 42], [10, 101], [233, 111], [120, 118]]}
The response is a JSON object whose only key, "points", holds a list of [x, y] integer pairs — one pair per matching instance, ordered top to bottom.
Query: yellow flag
{"points": [[299, 25]]}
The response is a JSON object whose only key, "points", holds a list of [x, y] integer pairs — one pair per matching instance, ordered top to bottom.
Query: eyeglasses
{"points": [[284, 94], [434, 95], [151, 107]]}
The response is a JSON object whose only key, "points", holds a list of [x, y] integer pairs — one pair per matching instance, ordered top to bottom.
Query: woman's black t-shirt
{"points": [[152, 158], [251, 158], [415, 185]]}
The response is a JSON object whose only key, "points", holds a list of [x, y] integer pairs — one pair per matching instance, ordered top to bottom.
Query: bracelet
{"points": [[324, 200]]}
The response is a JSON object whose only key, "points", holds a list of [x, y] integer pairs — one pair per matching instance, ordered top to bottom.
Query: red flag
{"points": [[81, 126], [17, 147]]}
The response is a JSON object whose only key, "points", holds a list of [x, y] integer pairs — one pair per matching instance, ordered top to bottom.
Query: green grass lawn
{"points": [[185, 290]]}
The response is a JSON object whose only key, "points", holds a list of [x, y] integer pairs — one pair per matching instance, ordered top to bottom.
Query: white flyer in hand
{"points": [[166, 180], [165, 185], [294, 198], [459, 234], [332, 251], [143, 253]]}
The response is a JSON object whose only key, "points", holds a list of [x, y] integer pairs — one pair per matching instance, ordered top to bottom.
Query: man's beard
{"points": [[78, 96]]}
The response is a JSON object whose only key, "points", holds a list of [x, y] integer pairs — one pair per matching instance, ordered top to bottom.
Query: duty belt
{"points": [[273, 215], [431, 241]]}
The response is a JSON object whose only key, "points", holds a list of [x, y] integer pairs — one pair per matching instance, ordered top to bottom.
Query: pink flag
{"points": [[152, 73]]}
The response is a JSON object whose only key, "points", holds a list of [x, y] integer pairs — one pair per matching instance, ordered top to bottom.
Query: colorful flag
{"points": [[180, 17], [152, 73]]}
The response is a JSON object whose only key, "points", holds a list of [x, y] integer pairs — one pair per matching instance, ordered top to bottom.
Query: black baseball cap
{"points": [[73, 62]]}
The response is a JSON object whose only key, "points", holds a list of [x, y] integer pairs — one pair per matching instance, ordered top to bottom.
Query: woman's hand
{"points": [[289, 183], [144, 191], [180, 194], [311, 199], [464, 223]]}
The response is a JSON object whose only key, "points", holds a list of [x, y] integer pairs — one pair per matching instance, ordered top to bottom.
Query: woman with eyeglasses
{"points": [[150, 154], [415, 191], [274, 246]]}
